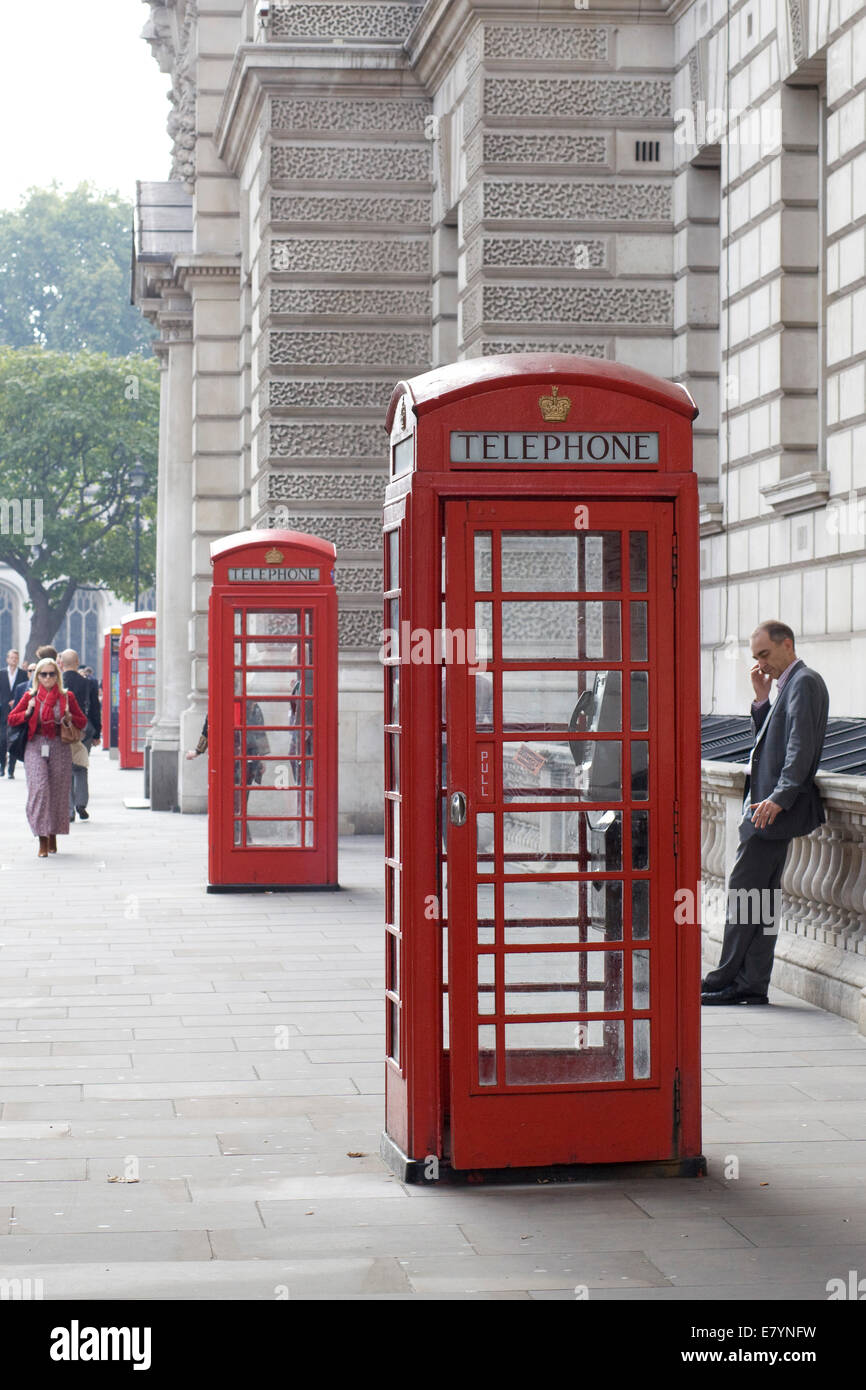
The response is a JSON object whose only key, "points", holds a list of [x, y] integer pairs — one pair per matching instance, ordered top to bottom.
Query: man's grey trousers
{"points": [[751, 923]]}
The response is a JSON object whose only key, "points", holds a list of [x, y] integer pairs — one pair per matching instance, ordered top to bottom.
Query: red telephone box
{"points": [[137, 673], [110, 687], [272, 713], [542, 766]]}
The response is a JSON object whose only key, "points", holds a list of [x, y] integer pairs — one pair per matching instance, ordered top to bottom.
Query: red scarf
{"points": [[46, 708]]}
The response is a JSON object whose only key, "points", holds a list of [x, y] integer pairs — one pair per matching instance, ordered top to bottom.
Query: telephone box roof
{"points": [[446, 384], [242, 540]]}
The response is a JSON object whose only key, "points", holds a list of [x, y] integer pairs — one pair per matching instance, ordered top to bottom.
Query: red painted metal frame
{"points": [[496, 394], [137, 643], [272, 865]]}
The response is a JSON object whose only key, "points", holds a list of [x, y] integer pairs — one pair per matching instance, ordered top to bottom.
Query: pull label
{"points": [[484, 764]]}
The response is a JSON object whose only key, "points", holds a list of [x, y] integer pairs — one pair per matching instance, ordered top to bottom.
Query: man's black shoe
{"points": [[82, 814], [732, 995]]}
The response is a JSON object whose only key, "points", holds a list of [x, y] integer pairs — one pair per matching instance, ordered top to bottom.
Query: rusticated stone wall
{"points": [[416, 182], [340, 223], [565, 228], [344, 298], [821, 949]]}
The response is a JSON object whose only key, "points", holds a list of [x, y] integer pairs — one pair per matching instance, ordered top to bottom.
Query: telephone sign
{"points": [[549, 446], [272, 713], [541, 1000]]}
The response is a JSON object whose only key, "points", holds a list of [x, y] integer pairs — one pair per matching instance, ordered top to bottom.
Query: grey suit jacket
{"points": [[789, 738]]}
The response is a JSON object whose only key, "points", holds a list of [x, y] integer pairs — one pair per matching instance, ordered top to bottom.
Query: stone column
{"points": [[325, 127], [696, 320], [160, 352], [218, 486], [205, 492], [173, 556]]}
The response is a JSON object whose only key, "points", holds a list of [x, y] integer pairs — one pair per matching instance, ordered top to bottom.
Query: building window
{"points": [[7, 621], [80, 628]]}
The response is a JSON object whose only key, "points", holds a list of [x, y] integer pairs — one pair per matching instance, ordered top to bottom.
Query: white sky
{"points": [[81, 98]]}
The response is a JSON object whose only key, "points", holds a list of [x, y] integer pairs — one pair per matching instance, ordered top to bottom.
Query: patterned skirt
{"points": [[48, 782]]}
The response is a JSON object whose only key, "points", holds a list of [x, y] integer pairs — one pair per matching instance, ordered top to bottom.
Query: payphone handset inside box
{"points": [[597, 761]]}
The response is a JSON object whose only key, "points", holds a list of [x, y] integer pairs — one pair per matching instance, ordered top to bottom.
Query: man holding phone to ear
{"points": [[781, 803]]}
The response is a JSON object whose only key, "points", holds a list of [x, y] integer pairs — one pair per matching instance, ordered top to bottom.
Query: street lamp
{"points": [[137, 477]]}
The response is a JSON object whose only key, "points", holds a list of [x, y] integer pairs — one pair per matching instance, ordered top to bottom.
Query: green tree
{"points": [[65, 274], [71, 429]]}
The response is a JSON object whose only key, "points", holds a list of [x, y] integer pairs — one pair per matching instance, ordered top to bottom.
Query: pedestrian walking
{"points": [[11, 676], [87, 696], [50, 713], [15, 743], [257, 747], [781, 802]]}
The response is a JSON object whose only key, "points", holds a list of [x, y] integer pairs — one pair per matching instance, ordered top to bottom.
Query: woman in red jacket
{"points": [[47, 759]]}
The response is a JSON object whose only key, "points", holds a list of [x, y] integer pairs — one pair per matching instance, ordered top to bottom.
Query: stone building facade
{"points": [[364, 188]]}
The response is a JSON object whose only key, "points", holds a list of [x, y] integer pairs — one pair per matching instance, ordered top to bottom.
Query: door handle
{"points": [[457, 810]]}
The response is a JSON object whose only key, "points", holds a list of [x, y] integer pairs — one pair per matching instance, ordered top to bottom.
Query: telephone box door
{"points": [[110, 687], [137, 693], [272, 744], [561, 832]]}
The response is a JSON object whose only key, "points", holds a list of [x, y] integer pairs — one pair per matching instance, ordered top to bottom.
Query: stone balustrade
{"points": [[821, 950]]}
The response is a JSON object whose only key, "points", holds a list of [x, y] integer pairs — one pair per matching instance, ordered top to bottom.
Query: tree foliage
{"points": [[65, 274], [71, 429]]}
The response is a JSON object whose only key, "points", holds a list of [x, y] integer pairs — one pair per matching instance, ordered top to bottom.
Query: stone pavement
{"points": [[157, 1141]]}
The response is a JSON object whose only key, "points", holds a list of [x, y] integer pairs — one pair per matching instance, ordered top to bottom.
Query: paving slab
{"points": [[231, 1046], [754, 1197], [145, 1215], [828, 1228], [599, 1234], [413, 1240], [92, 1246], [815, 1266], [478, 1273], [232, 1280], [772, 1291]]}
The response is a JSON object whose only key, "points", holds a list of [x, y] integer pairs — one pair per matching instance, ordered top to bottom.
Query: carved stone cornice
{"points": [[441, 29], [170, 32], [262, 71], [206, 266], [150, 306], [175, 329], [801, 493], [711, 518]]}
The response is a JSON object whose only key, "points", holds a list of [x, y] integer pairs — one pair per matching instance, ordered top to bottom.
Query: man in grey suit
{"points": [[781, 803]]}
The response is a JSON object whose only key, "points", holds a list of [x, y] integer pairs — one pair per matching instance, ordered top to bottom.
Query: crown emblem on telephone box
{"points": [[554, 406], [273, 556]]}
